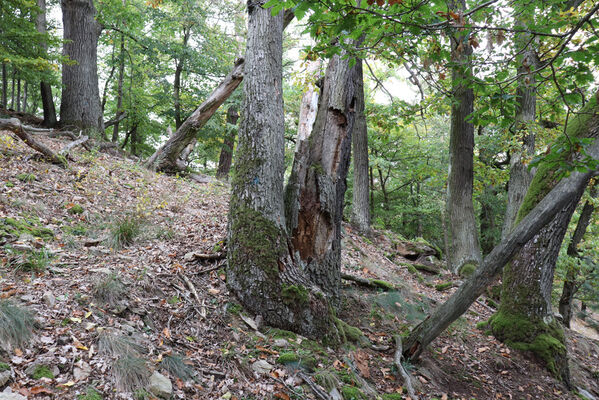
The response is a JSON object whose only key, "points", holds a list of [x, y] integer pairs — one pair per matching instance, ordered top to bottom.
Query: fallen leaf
{"points": [[483, 349], [41, 389], [282, 396]]}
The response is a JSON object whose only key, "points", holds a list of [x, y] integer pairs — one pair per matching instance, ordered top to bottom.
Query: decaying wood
{"points": [[16, 126], [69, 146], [192, 256], [372, 283], [404, 374], [318, 391]]}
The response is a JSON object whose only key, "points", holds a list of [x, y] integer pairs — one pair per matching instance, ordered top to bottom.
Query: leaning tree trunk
{"points": [[45, 88], [80, 100], [526, 106], [226, 152], [168, 157], [360, 202], [544, 211], [463, 233], [261, 270], [570, 287]]}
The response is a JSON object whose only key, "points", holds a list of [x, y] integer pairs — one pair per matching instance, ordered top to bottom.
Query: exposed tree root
{"points": [[404, 374]]}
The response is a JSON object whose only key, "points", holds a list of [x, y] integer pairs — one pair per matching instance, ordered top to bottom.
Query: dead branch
{"points": [[120, 116], [16, 126], [69, 146], [201, 256], [371, 283], [194, 292], [404, 374], [318, 391]]}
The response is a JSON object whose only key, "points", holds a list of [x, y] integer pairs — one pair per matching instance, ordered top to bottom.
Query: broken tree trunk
{"points": [[168, 157]]}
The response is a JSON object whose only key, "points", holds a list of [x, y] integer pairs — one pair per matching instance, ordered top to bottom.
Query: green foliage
{"points": [[24, 177], [75, 209], [16, 227], [29, 260], [467, 269], [16, 325], [288, 358], [4, 367], [42, 371], [352, 393]]}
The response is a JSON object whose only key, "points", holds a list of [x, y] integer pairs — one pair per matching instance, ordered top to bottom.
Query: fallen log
{"points": [[17, 127]]}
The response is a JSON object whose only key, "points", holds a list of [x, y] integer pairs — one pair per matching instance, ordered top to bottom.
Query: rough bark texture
{"points": [[45, 88], [119, 90], [80, 101], [526, 106], [226, 152], [167, 157], [314, 195], [360, 201], [538, 214], [463, 233], [261, 270], [570, 287]]}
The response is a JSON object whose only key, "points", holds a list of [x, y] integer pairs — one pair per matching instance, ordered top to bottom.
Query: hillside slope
{"points": [[122, 270]]}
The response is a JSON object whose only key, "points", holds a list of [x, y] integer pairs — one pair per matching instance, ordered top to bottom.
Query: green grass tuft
{"points": [[26, 177], [124, 230], [109, 289], [16, 325], [119, 345], [176, 366], [131, 373]]}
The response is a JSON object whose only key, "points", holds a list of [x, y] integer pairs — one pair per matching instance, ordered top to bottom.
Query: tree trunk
{"points": [[177, 80], [4, 85], [45, 88], [19, 92], [12, 94], [119, 95], [80, 104], [526, 106], [24, 107], [226, 153], [167, 157], [316, 188], [360, 202], [544, 211], [487, 220], [463, 233], [261, 271], [570, 286]]}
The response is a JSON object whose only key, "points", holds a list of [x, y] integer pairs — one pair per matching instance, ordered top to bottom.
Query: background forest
{"points": [[472, 127]]}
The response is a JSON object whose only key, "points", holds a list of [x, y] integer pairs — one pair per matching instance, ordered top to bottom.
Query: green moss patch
{"points": [[26, 177], [75, 209], [19, 226], [467, 269], [382, 284], [443, 286], [295, 294], [347, 332], [288, 358], [4, 367], [42, 371], [352, 393], [90, 394], [392, 396]]}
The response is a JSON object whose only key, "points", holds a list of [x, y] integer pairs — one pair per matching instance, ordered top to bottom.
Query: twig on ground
{"points": [[69, 146], [194, 292], [318, 391]]}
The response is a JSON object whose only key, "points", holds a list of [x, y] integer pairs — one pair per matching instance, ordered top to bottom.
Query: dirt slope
{"points": [[109, 315]]}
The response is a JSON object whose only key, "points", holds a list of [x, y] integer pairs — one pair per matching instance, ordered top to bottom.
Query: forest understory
{"points": [[122, 272]]}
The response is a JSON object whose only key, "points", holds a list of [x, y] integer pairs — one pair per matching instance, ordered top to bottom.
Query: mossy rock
{"points": [[26, 177], [76, 209], [467, 269], [441, 287], [347, 332], [282, 334], [288, 358], [4, 367], [42, 371], [352, 393]]}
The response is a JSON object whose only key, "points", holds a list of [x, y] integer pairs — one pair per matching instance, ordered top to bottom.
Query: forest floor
{"points": [[122, 270]]}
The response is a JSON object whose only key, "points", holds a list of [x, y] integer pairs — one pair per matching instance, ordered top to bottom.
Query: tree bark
{"points": [[177, 80], [4, 86], [45, 88], [19, 92], [12, 94], [119, 95], [80, 104], [526, 106], [24, 107], [226, 152], [167, 157], [316, 187], [360, 201], [540, 214], [463, 234], [261, 269], [570, 287]]}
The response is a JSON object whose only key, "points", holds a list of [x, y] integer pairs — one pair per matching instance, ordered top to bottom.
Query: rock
{"points": [[28, 298], [49, 299], [249, 321], [281, 343], [262, 367], [81, 371], [5, 377], [160, 385], [7, 394], [586, 395]]}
